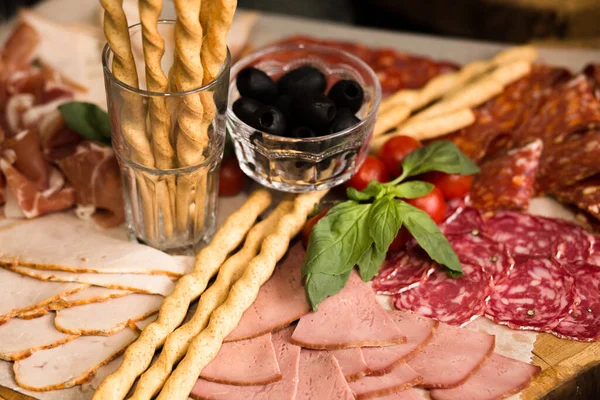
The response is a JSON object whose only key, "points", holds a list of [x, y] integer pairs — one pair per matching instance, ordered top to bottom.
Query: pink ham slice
{"points": [[281, 300], [352, 318], [418, 330], [452, 356], [288, 357], [351, 362], [245, 363], [321, 377], [400, 378], [499, 378], [408, 394]]}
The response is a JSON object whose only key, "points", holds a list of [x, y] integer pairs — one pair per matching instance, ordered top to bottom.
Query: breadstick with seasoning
{"points": [[225, 318], [177, 342], [139, 354]]}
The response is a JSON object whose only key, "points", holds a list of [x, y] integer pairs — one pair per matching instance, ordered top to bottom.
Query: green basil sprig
{"points": [[88, 120], [360, 230]]}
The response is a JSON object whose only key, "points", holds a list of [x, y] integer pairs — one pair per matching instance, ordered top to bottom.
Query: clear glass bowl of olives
{"points": [[301, 116]]}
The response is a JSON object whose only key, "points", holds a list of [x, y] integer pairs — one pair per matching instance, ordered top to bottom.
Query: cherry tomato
{"points": [[395, 150], [372, 169], [231, 178], [453, 186], [432, 203], [309, 225], [399, 242]]}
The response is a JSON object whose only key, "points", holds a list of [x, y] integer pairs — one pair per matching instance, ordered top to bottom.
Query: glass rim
{"points": [[304, 46], [106, 51], [207, 162]]}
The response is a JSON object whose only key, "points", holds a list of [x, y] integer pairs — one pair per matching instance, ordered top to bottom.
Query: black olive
{"points": [[303, 79], [254, 83], [347, 94], [283, 103], [245, 107], [314, 110], [268, 119], [343, 120], [302, 132]]}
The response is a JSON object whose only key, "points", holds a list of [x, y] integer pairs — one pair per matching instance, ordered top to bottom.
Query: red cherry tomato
{"points": [[395, 150], [372, 169], [231, 178], [453, 186], [432, 203], [309, 225], [400, 240]]}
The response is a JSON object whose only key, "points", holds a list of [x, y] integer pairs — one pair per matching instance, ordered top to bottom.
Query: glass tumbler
{"points": [[168, 153]]}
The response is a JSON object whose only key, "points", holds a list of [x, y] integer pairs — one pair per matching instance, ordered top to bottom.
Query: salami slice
{"points": [[585, 195], [467, 220], [572, 242], [595, 251], [402, 271], [537, 295], [454, 301]]}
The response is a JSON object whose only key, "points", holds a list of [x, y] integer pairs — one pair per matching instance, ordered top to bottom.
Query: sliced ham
{"points": [[62, 242], [280, 301], [107, 317], [352, 318], [418, 330], [288, 356], [452, 356], [74, 362], [351, 362], [244, 363], [321, 377], [400, 378], [498, 378], [408, 394]]}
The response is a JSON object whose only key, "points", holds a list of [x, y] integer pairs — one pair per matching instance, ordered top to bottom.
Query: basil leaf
{"points": [[87, 119], [441, 156], [372, 190], [412, 190], [355, 195], [384, 222], [429, 237], [338, 240], [370, 262], [320, 286]]}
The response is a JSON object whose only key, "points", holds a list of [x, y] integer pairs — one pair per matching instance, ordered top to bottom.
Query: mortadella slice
{"points": [[280, 301], [351, 318], [418, 330], [288, 356], [452, 356], [351, 362], [244, 363], [321, 377], [400, 378], [498, 378]]}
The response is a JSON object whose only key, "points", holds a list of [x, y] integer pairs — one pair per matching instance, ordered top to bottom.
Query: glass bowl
{"points": [[302, 165]]}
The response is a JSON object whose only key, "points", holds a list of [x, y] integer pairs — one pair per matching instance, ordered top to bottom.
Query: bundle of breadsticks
{"points": [[444, 104]]}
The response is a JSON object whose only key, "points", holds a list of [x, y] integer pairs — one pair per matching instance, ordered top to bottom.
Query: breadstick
{"points": [[391, 119], [224, 319], [177, 342], [139, 354]]}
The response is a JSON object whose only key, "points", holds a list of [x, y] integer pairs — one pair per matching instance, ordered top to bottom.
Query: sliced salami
{"points": [[585, 195], [467, 220], [572, 242], [595, 251], [402, 271], [537, 295], [454, 301]]}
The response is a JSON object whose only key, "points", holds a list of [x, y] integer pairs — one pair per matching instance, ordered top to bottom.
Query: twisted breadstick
{"points": [[216, 16]]}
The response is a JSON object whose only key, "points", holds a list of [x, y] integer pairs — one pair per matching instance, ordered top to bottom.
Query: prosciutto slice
{"points": [[62, 242], [280, 301], [107, 317], [352, 318], [418, 330], [452, 356], [288, 357], [351, 362], [245, 363], [321, 377], [400, 378], [498, 378]]}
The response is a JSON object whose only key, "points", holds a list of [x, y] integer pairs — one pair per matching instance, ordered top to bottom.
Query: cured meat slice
{"points": [[506, 182], [585, 195], [467, 220], [62, 242], [573, 243], [594, 257], [402, 271], [153, 284], [21, 293], [537, 295], [280, 301], [455, 301], [107, 317], [340, 321], [583, 322], [418, 330], [20, 338], [452, 356], [288, 357], [351, 362], [72, 363], [245, 363], [321, 377], [400, 378], [498, 378], [408, 394]]}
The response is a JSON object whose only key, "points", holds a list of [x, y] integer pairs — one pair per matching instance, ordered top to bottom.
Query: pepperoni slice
{"points": [[402, 271]]}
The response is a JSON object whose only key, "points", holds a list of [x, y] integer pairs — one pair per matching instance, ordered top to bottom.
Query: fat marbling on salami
{"points": [[403, 270]]}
